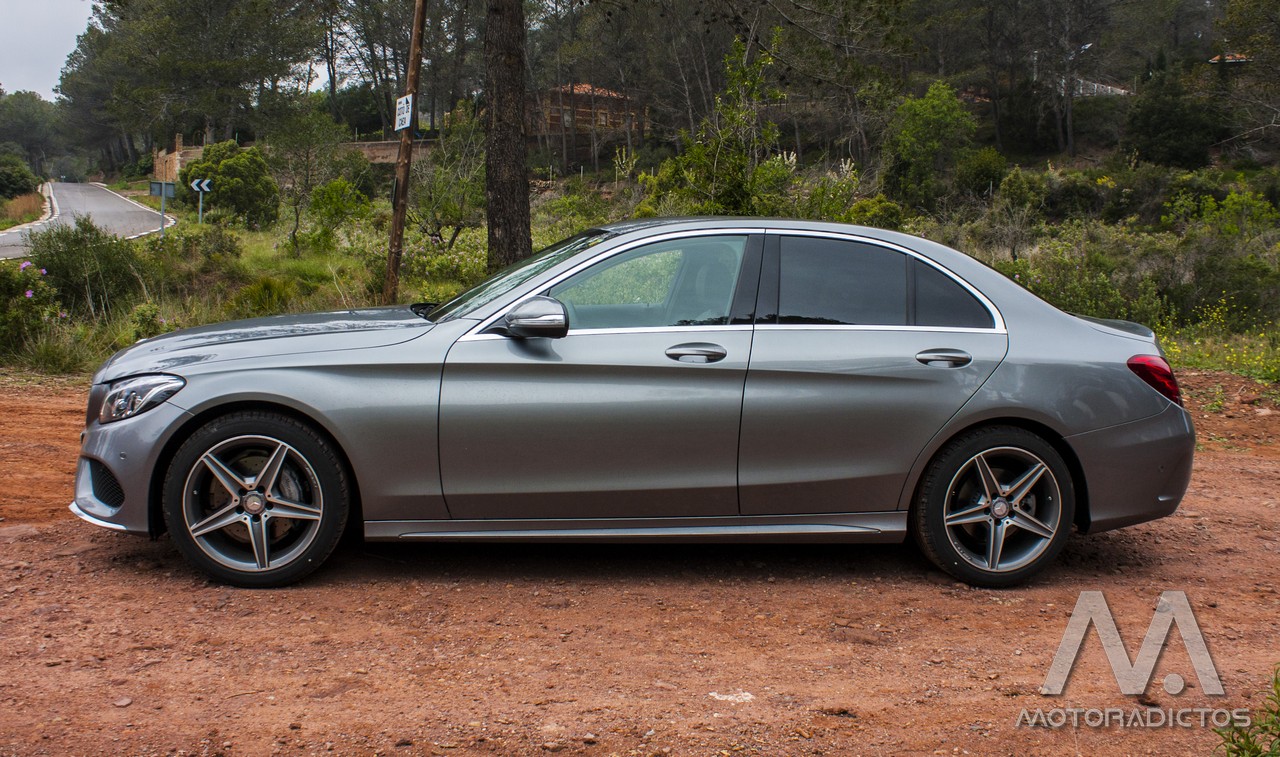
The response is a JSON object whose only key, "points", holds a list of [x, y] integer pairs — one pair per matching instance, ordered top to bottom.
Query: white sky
{"points": [[35, 38]]}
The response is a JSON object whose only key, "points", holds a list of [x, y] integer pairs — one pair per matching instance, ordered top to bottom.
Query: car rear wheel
{"points": [[256, 499], [995, 506]]}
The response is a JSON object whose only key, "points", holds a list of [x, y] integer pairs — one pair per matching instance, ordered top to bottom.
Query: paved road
{"points": [[108, 210]]}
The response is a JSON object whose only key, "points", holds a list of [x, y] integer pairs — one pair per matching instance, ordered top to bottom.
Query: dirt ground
{"points": [[109, 644]]}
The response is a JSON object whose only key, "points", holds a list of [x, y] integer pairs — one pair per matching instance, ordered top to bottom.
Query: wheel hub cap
{"points": [[254, 503], [1001, 508]]}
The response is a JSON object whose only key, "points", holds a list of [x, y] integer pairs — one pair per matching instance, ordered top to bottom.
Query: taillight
{"points": [[1159, 376]]}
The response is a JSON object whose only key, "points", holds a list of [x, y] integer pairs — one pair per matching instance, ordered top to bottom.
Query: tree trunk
{"points": [[506, 181]]}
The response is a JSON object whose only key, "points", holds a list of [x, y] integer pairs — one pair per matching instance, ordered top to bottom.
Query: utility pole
{"points": [[400, 192]]}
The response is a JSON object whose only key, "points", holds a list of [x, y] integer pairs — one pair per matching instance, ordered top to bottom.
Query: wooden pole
{"points": [[400, 192]]}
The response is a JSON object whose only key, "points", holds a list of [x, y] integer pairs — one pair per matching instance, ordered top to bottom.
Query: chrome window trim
{"points": [[621, 248], [996, 318], [873, 327], [633, 330]]}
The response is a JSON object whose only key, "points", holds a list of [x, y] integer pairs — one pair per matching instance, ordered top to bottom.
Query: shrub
{"points": [[1169, 127], [925, 138], [980, 173], [15, 177], [242, 183], [333, 205], [878, 211], [92, 270], [266, 295], [28, 300], [147, 321], [1262, 736]]}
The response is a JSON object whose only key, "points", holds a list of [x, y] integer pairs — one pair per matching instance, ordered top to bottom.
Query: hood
{"points": [[271, 336]]}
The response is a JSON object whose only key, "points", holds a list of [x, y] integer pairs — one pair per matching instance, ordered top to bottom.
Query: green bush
{"points": [[1170, 127], [926, 137], [981, 172], [15, 177], [242, 183], [878, 211], [93, 271], [266, 295], [28, 300], [1262, 737]]}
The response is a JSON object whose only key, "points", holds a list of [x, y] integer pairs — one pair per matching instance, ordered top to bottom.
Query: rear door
{"points": [[862, 352]]}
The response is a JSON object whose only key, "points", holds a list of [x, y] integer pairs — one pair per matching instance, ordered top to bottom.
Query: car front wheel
{"points": [[256, 499], [995, 506]]}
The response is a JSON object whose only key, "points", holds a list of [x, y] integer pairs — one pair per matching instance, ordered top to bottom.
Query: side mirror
{"points": [[538, 316]]}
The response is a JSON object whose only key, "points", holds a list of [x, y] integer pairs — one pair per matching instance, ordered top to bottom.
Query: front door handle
{"points": [[697, 352], [944, 358]]}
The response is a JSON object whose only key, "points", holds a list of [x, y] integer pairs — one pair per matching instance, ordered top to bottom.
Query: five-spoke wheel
{"points": [[256, 499], [994, 507]]}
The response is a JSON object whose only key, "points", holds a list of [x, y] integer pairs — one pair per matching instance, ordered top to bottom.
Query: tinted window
{"points": [[682, 282], [838, 282], [940, 301]]}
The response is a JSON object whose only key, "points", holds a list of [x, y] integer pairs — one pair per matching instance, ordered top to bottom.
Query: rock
{"points": [[10, 534], [665, 686], [123, 702], [404, 743], [553, 746]]}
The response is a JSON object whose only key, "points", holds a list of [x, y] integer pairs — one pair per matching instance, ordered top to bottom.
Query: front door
{"points": [[634, 414]]}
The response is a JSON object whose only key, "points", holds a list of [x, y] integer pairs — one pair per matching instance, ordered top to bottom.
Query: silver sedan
{"points": [[666, 379]]}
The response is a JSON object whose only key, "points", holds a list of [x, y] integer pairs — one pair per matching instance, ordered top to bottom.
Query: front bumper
{"points": [[1136, 471], [114, 473]]}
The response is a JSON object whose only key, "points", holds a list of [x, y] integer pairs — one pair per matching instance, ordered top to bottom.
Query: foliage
{"points": [[1169, 127], [925, 139], [303, 144], [726, 169], [980, 172], [15, 177], [242, 183], [448, 188], [334, 205], [21, 209], [878, 211], [93, 271], [27, 301], [147, 321], [1262, 736]]}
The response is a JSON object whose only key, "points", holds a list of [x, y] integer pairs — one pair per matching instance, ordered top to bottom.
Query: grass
{"points": [[21, 209]]}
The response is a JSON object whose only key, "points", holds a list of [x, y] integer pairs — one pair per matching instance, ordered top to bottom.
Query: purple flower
{"points": [[25, 265], [43, 272], [30, 294], [62, 314]]}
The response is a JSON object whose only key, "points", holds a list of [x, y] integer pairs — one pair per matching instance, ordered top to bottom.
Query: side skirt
{"points": [[865, 528]]}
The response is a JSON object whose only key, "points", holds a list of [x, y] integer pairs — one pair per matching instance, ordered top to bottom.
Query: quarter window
{"points": [[940, 301]]}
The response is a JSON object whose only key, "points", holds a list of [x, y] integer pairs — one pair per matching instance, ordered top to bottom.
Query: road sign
{"points": [[404, 112], [201, 186], [163, 190]]}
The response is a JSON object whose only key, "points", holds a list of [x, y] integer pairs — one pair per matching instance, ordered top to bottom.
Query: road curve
{"points": [[110, 211]]}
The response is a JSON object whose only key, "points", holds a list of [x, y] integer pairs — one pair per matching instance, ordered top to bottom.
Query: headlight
{"points": [[130, 397]]}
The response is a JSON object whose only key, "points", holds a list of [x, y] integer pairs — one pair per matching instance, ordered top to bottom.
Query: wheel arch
{"points": [[1059, 443], [155, 514]]}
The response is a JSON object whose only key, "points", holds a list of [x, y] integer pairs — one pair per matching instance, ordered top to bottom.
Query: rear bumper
{"points": [[1136, 471]]}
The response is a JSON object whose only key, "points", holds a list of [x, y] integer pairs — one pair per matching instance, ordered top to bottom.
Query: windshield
{"points": [[513, 276]]}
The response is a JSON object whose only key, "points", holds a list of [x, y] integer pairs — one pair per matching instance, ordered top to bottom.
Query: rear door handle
{"points": [[697, 352], [944, 358]]}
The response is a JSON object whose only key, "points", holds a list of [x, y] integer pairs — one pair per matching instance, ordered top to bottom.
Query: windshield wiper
{"points": [[423, 308]]}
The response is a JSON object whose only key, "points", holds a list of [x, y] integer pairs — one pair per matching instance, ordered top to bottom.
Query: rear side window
{"points": [[833, 281], [843, 282], [941, 301]]}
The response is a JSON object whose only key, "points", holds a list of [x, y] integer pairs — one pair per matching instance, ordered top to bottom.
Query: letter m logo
{"points": [[1133, 678]]}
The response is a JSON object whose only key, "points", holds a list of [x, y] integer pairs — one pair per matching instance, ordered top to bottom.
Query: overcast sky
{"points": [[35, 38]]}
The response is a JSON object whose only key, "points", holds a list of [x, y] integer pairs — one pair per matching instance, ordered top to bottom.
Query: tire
{"points": [[1025, 507], [252, 533]]}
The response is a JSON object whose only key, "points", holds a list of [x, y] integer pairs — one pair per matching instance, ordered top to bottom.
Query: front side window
{"points": [[681, 282]]}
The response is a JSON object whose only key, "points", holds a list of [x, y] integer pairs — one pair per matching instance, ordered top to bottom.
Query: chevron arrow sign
{"points": [[202, 185]]}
